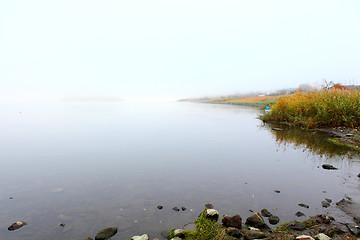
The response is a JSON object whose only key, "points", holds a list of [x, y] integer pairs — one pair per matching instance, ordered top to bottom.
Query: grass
{"points": [[254, 101], [323, 108]]}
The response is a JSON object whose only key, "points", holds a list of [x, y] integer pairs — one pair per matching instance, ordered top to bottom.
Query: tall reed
{"points": [[322, 108]]}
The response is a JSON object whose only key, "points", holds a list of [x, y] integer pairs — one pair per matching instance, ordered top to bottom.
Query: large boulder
{"points": [[234, 221], [256, 221]]}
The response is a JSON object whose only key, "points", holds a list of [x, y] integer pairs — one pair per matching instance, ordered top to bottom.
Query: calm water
{"points": [[98, 165]]}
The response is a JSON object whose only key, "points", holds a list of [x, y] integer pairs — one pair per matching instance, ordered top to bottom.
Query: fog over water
{"points": [[97, 165]]}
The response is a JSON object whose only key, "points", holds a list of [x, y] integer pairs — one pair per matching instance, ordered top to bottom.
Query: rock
{"points": [[277, 129], [328, 167], [359, 175], [277, 191], [328, 200], [325, 204], [209, 205], [303, 205], [160, 207], [183, 208], [176, 209], [265, 213], [212, 214], [299, 214], [322, 218], [273, 220], [234, 221], [256, 221], [16, 225], [62, 225], [298, 226], [190, 227], [354, 229], [234, 232], [106, 233], [179, 233], [165, 234], [251, 234], [322, 236], [142, 237], [305, 237], [88, 238], [176, 238]]}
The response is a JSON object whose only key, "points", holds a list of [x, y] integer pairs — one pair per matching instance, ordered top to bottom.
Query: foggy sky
{"points": [[51, 50]]}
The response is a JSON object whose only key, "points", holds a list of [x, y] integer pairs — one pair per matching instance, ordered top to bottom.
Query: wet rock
{"points": [[328, 167], [359, 175], [277, 191], [328, 200], [325, 204], [209, 205], [303, 205], [160, 207], [183, 208], [176, 209], [265, 213], [212, 214], [299, 214], [322, 218], [273, 220], [357, 220], [234, 221], [256, 221], [16, 225], [62, 225], [298, 226], [354, 229], [234, 232], [106, 233], [179, 233], [165, 234], [252, 234], [322, 236], [142, 237], [304, 237]]}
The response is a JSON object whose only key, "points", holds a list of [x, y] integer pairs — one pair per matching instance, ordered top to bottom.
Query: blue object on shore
{"points": [[267, 108]]}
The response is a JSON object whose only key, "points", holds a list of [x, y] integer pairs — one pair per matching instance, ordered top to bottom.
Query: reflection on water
{"points": [[316, 142], [97, 165]]}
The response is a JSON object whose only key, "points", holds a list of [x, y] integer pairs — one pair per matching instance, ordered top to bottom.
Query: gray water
{"points": [[97, 165]]}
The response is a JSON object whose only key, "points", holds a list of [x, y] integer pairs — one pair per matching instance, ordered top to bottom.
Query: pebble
{"points": [[277, 191], [325, 204], [303, 205], [160, 207], [183, 208], [176, 209], [299, 214], [16, 225], [142, 237], [305, 237]]}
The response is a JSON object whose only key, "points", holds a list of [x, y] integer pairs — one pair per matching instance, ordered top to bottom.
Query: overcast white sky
{"points": [[184, 48]]}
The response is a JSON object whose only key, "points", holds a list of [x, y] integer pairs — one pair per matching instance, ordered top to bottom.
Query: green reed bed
{"points": [[323, 108]]}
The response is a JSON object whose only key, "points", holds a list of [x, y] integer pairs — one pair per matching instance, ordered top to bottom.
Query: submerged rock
{"points": [[328, 167], [277, 191], [325, 204], [209, 205], [303, 205], [160, 207], [183, 208], [176, 209], [265, 213], [299, 214], [274, 220], [234, 221], [256, 221], [16, 225], [354, 229], [106, 233]]}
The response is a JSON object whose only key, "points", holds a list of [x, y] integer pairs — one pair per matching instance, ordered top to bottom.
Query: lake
{"points": [[97, 165]]}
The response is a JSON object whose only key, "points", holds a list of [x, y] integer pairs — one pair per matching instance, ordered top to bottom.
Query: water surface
{"points": [[98, 165]]}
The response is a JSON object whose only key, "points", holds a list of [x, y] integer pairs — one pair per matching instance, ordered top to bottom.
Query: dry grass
{"points": [[324, 108]]}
